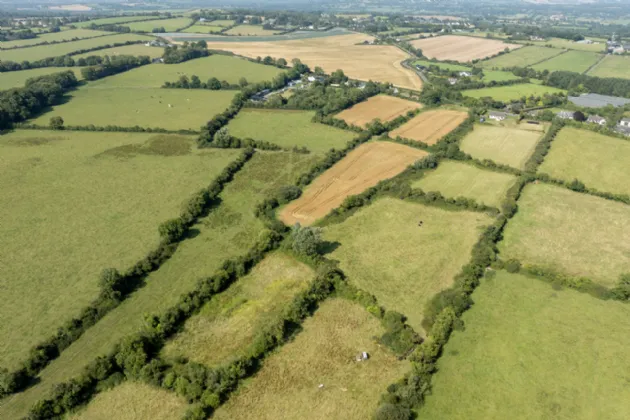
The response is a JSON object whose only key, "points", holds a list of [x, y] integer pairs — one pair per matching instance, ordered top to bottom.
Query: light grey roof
{"points": [[594, 100], [498, 114], [596, 118], [626, 120]]}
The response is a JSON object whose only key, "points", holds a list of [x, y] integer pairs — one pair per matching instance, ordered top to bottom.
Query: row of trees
{"points": [[9, 35], [177, 54], [113, 65], [213, 83], [580, 83]]}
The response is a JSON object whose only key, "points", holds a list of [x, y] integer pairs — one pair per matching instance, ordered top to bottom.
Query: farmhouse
{"points": [[465, 74], [452, 80], [565, 115], [497, 116], [596, 119], [625, 122]]}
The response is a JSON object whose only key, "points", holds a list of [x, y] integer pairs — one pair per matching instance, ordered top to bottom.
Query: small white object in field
{"points": [[321, 386]]}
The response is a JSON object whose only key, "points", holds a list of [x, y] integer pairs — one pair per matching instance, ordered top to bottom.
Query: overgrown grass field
{"points": [[169, 25], [250, 30], [54, 37], [135, 49], [521, 57], [575, 61], [612, 66], [14, 79], [507, 93], [171, 109], [288, 129], [509, 146], [599, 161], [455, 179], [74, 203], [227, 232], [576, 234], [384, 251], [228, 324], [531, 352], [288, 385]]}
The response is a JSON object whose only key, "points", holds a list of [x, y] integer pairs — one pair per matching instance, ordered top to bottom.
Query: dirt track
{"points": [[461, 48], [383, 107], [430, 126]]}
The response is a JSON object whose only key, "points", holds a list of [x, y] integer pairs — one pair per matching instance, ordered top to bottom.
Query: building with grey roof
{"points": [[594, 100], [565, 115], [596, 119]]}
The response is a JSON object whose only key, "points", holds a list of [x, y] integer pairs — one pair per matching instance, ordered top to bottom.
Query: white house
{"points": [[465, 74], [452, 80], [565, 115], [497, 116], [596, 119], [625, 122]]}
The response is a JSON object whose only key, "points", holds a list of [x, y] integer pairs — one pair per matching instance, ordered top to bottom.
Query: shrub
{"points": [[513, 266], [388, 411]]}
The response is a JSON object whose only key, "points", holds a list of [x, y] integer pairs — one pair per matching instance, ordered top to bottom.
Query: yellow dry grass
{"points": [[461, 48], [380, 63], [383, 107], [430, 126], [361, 169], [288, 385]]}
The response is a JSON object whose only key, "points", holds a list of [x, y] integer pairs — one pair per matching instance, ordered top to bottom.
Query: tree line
{"points": [[177, 54], [113, 65], [579, 83]]}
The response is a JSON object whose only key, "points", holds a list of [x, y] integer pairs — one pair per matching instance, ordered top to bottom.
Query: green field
{"points": [[111, 20], [219, 22], [169, 25], [203, 29], [251, 30], [54, 37], [570, 45], [135, 49], [56, 50], [522, 57], [575, 61], [444, 66], [612, 66], [222, 67], [498, 76], [13, 79], [507, 93], [171, 109], [288, 129], [509, 146], [601, 162], [455, 179], [115, 187], [227, 232], [577, 234], [384, 251], [228, 324], [531, 352], [322, 353], [133, 401]]}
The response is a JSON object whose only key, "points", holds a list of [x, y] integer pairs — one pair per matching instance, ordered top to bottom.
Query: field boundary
{"points": [[18, 47], [562, 51], [592, 67]]}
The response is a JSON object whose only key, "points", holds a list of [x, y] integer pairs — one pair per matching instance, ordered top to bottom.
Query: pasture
{"points": [[111, 20], [221, 22], [169, 25], [203, 29], [250, 30], [54, 37], [596, 47], [461, 48], [134, 49], [45, 51], [522, 57], [575, 61], [380, 63], [444, 66], [612, 66], [497, 76], [14, 79], [507, 93], [382, 107], [171, 109], [430, 126], [287, 129], [508, 146], [599, 161], [361, 169], [454, 179], [115, 187], [227, 232], [576, 234], [383, 251], [226, 326], [531, 352], [322, 353], [133, 401]]}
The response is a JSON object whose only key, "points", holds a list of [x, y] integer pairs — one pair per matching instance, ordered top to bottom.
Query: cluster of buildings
{"points": [[615, 46], [622, 127]]}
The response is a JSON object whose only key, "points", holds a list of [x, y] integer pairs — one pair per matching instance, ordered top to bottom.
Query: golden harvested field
{"points": [[461, 48], [380, 63], [383, 107], [430, 126], [362, 168], [288, 385]]}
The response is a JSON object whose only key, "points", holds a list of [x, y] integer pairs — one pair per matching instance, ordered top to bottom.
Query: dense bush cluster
{"points": [[178, 54], [113, 65], [580, 82], [195, 83], [114, 128], [543, 146]]}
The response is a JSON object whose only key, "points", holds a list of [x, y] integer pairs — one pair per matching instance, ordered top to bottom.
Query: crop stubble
{"points": [[461, 48], [383, 107], [430, 126]]}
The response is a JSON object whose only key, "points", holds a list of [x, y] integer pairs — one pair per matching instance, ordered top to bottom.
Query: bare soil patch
{"points": [[461, 48], [383, 107], [430, 126], [362, 168]]}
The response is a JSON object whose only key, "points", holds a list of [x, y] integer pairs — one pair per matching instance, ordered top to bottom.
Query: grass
{"points": [[111, 20], [220, 22], [169, 25], [203, 29], [251, 30], [55, 37], [571, 45], [135, 49], [56, 50], [521, 57], [575, 61], [444, 66], [612, 66], [222, 67], [498, 76], [13, 79], [507, 93], [171, 109], [288, 129], [509, 146], [597, 160], [455, 179], [116, 188], [227, 232], [577, 234], [384, 251], [230, 322], [531, 352], [322, 353], [133, 401]]}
